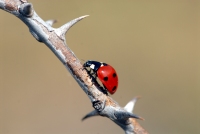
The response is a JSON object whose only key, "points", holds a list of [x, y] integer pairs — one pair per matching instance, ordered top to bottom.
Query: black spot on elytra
{"points": [[114, 75], [105, 78], [114, 88]]}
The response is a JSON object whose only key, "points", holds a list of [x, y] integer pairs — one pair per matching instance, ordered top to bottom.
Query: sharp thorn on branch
{"points": [[51, 22], [63, 29], [130, 105], [91, 114], [122, 114], [131, 115]]}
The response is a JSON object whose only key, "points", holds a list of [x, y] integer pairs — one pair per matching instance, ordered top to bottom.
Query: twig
{"points": [[55, 40]]}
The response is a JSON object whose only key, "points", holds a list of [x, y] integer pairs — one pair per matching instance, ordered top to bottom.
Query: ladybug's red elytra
{"points": [[106, 74]]}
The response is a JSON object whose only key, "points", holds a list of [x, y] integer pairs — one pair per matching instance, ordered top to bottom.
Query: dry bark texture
{"points": [[103, 104]]}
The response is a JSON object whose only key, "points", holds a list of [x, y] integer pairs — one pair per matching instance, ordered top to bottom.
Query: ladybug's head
{"points": [[87, 63], [94, 65]]}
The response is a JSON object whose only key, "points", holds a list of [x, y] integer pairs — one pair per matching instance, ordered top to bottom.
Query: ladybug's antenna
{"points": [[82, 60]]}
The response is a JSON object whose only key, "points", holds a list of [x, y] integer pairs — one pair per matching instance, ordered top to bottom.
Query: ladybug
{"points": [[106, 74]]}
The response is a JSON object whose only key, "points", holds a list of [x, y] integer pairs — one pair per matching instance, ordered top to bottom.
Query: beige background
{"points": [[154, 46]]}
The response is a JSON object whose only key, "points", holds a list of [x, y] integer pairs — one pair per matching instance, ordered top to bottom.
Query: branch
{"points": [[55, 39]]}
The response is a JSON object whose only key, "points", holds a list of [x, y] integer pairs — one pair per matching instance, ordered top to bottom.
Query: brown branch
{"points": [[55, 39]]}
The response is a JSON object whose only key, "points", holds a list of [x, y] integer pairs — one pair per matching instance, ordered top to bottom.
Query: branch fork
{"points": [[55, 40]]}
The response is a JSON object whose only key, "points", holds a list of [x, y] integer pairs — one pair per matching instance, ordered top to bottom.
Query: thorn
{"points": [[51, 22], [63, 29], [130, 105], [91, 114], [122, 114], [131, 115]]}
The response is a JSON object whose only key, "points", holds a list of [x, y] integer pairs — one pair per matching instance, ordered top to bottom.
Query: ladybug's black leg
{"points": [[93, 73], [90, 74], [93, 76], [103, 90]]}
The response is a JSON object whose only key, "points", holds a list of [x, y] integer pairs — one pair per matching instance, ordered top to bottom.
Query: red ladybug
{"points": [[106, 74]]}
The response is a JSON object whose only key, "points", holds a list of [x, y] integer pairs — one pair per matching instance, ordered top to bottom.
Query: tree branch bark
{"points": [[55, 40]]}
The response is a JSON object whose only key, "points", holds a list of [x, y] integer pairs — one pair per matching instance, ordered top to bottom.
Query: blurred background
{"points": [[154, 46]]}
